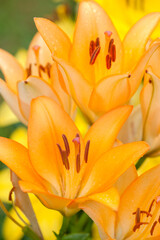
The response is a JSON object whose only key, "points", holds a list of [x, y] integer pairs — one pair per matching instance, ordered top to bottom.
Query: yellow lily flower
{"points": [[102, 72], [40, 77], [60, 167], [138, 213]]}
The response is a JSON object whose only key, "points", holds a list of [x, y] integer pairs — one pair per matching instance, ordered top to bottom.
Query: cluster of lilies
{"points": [[98, 74]]}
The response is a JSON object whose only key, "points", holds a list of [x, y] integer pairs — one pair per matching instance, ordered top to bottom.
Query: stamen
{"points": [[97, 43], [110, 45], [91, 48], [113, 53], [95, 55], [108, 62], [48, 68], [29, 70], [66, 145], [86, 151], [64, 157], [78, 163], [10, 194], [150, 208], [137, 219], [159, 219], [137, 226], [153, 227]]}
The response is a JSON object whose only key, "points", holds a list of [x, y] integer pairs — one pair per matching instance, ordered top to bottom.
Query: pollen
{"points": [[94, 50]]}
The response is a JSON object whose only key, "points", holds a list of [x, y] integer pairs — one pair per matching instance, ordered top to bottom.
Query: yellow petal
{"points": [[88, 27], [136, 39], [57, 41], [12, 70], [31, 88], [109, 93], [110, 166], [5, 184]]}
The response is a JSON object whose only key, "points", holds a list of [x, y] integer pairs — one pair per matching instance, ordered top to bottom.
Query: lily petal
{"points": [[88, 27], [136, 39], [57, 41], [12, 70], [31, 88], [109, 93], [12, 100], [53, 122], [104, 132], [11, 154], [110, 166], [143, 190], [49, 200]]}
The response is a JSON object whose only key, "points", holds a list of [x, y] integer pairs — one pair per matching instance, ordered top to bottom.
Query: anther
{"points": [[97, 43], [110, 45], [91, 48], [113, 53], [95, 55], [108, 62], [48, 68], [29, 70], [129, 75], [150, 81], [66, 145], [86, 151], [64, 157], [78, 163], [10, 194], [150, 207], [137, 219], [137, 226], [153, 227]]}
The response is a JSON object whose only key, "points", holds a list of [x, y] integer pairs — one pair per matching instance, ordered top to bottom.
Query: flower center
{"points": [[110, 49], [45, 69], [65, 153], [151, 219]]}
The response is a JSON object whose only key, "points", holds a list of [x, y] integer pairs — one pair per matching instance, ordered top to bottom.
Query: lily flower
{"points": [[102, 72], [23, 84], [144, 122], [60, 167], [137, 216]]}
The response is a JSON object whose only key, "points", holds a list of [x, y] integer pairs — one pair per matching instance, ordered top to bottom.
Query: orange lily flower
{"points": [[102, 72], [39, 78], [144, 121], [60, 167], [137, 216]]}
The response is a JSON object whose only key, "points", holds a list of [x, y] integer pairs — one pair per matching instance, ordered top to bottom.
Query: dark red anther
{"points": [[97, 43], [110, 45], [91, 48], [113, 53], [95, 55], [108, 62], [48, 68], [29, 70], [66, 144], [86, 151], [64, 157], [78, 163], [150, 207], [137, 226], [153, 227]]}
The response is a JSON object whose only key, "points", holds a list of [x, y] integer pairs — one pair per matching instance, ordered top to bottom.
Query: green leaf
{"points": [[29, 233], [76, 236]]}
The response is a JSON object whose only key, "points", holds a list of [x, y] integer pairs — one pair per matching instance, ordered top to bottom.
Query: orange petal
{"points": [[88, 27], [136, 39], [57, 41], [43, 57], [12, 70], [138, 72], [77, 86], [31, 88], [109, 93], [12, 100], [150, 104], [47, 123], [132, 129], [104, 131], [11, 154], [110, 166], [126, 179], [138, 195], [49, 200], [103, 216]]}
